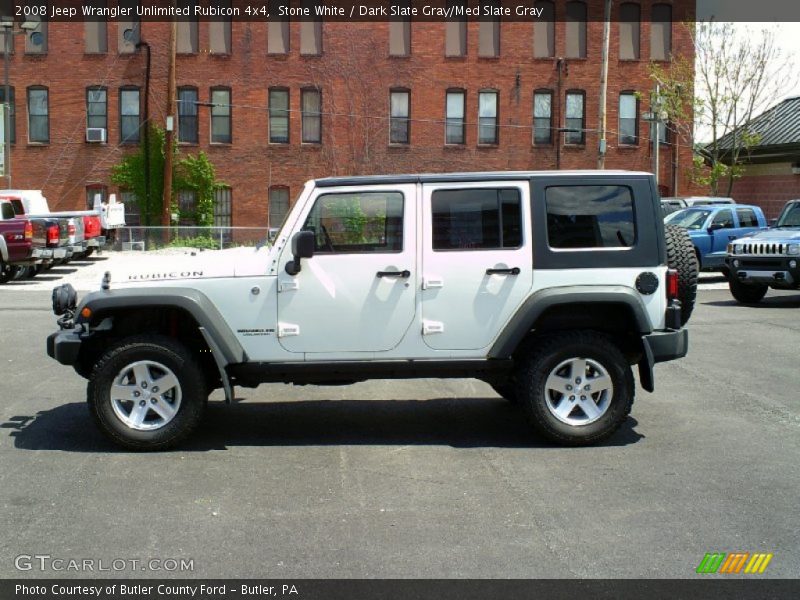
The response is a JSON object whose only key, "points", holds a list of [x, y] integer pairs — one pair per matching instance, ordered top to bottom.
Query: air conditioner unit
{"points": [[96, 134]]}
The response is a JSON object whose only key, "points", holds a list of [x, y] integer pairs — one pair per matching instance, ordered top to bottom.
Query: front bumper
{"points": [[776, 271], [64, 346]]}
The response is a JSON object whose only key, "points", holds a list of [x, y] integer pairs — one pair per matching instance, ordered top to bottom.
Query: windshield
{"points": [[790, 217], [690, 218]]}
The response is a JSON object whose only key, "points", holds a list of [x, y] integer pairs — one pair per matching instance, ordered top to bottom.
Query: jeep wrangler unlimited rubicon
{"points": [[547, 285]]}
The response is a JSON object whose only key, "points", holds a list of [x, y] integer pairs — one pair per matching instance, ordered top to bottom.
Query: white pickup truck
{"points": [[89, 228]]}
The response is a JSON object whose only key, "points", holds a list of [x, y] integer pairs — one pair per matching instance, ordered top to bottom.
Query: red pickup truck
{"points": [[24, 242]]}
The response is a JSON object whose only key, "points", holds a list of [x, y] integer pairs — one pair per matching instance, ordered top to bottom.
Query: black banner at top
{"points": [[389, 10]]}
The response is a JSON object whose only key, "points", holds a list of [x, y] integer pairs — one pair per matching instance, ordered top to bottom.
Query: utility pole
{"points": [[7, 33], [655, 107], [171, 124], [601, 147]]}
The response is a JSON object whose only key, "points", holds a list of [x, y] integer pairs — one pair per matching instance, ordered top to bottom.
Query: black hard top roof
{"points": [[466, 177]]}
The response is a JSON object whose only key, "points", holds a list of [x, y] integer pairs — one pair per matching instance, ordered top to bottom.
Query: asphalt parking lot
{"points": [[422, 479]]}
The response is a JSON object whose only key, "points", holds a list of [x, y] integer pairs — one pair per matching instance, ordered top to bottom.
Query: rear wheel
{"points": [[682, 257], [8, 272], [746, 293], [576, 387], [147, 393]]}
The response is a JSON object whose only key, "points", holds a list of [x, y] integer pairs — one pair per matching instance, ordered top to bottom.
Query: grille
{"points": [[763, 249]]}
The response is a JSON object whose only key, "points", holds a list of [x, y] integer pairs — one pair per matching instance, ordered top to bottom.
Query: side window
{"points": [[8, 210], [590, 216], [747, 217], [485, 219], [724, 219], [350, 223]]}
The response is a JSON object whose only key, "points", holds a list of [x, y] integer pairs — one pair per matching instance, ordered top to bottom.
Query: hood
{"points": [[788, 234], [183, 264]]}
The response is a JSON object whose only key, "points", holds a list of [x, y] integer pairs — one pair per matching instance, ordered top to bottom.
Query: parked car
{"points": [[671, 205], [712, 227], [88, 228], [19, 247], [766, 259], [515, 278]]}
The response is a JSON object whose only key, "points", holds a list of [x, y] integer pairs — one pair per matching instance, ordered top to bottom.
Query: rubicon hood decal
{"points": [[170, 275]]}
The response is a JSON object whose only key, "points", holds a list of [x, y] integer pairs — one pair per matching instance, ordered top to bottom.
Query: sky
{"points": [[787, 38]]}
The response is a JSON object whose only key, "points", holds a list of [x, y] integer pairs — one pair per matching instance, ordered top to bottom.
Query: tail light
{"points": [[71, 229], [28, 230], [52, 235], [672, 284]]}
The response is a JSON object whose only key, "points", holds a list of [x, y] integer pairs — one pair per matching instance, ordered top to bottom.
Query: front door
{"points": [[476, 261], [357, 293]]}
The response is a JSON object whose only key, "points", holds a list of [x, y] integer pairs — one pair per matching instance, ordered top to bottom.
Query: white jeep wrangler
{"points": [[547, 285]]}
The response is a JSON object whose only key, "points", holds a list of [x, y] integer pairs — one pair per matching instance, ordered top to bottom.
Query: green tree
{"points": [[731, 78], [195, 173], [130, 174]]}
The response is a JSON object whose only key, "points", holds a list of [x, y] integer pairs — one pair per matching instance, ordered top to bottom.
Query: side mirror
{"points": [[714, 227], [302, 247]]}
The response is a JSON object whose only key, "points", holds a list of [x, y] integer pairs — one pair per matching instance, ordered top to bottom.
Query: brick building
{"points": [[297, 100], [771, 167]]}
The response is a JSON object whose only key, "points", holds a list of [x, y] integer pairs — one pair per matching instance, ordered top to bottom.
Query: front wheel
{"points": [[746, 293], [576, 387], [147, 393]]}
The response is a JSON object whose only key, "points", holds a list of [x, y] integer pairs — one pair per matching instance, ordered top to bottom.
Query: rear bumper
{"points": [[96, 242], [42, 253], [666, 345], [64, 346], [660, 346]]}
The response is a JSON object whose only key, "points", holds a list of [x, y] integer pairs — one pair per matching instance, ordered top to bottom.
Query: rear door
{"points": [[748, 221], [476, 260]]}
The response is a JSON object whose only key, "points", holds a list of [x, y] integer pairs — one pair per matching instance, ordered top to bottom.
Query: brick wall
{"points": [[355, 75], [768, 186]]}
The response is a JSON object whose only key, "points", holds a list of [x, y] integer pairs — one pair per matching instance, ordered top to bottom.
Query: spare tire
{"points": [[681, 257]]}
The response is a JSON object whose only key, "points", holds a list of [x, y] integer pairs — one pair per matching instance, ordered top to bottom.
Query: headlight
{"points": [[793, 249]]}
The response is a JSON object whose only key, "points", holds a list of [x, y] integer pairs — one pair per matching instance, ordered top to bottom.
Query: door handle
{"points": [[512, 271], [404, 274]]}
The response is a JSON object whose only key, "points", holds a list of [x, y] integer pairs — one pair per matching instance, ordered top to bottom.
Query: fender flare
{"points": [[535, 306], [226, 347]]}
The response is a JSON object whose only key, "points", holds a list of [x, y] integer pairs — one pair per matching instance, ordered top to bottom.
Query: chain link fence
{"points": [[205, 238]]}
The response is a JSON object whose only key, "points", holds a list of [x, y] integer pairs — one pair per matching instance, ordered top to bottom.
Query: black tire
{"points": [[88, 252], [681, 257], [8, 272], [746, 293], [165, 352], [546, 356], [506, 390]]}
